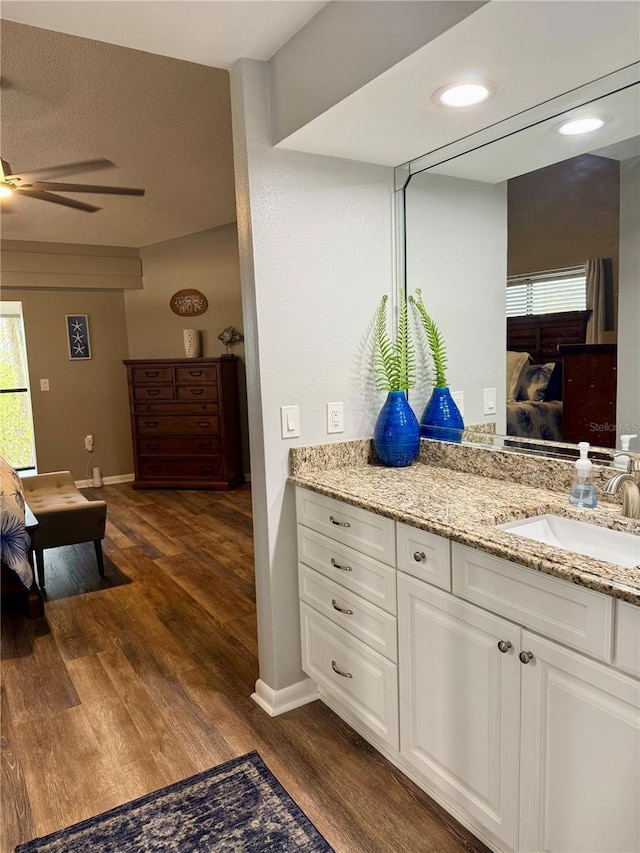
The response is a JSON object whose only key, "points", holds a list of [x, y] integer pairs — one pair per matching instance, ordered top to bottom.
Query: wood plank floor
{"points": [[144, 677]]}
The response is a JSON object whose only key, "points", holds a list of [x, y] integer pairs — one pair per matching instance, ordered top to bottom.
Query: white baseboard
{"points": [[107, 481], [276, 702]]}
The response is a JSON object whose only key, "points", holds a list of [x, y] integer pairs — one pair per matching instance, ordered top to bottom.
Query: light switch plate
{"points": [[489, 401], [290, 421]]}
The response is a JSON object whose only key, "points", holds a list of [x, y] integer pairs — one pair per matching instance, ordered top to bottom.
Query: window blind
{"points": [[548, 292]]}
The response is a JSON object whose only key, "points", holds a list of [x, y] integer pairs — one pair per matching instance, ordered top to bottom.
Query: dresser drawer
{"points": [[145, 375], [191, 375], [146, 392], [202, 392], [176, 408], [178, 424], [178, 446], [172, 468], [366, 532], [424, 555], [369, 578], [562, 611], [365, 621], [627, 638], [362, 681]]}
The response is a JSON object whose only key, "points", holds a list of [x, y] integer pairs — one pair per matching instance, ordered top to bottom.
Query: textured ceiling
{"points": [[165, 123]]}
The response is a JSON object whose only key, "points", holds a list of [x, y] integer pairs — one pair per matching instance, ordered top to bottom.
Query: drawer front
{"points": [[146, 375], [192, 375], [159, 392], [202, 392], [177, 408], [163, 425], [179, 446], [180, 469], [366, 532], [424, 555], [370, 579], [576, 616], [365, 621], [627, 641], [368, 685]]}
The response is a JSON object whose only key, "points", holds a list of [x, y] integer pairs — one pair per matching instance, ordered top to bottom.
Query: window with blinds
{"points": [[547, 292]]}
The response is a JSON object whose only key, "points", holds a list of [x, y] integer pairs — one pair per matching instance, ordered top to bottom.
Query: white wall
{"points": [[315, 238], [457, 255], [628, 414]]}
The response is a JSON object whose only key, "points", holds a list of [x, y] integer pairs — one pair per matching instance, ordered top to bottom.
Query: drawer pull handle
{"points": [[151, 373], [195, 373], [196, 391], [153, 392], [151, 423], [204, 424], [204, 445], [153, 447], [155, 468], [206, 469], [339, 523], [419, 556], [338, 566], [337, 607], [504, 646], [525, 657], [334, 667]]}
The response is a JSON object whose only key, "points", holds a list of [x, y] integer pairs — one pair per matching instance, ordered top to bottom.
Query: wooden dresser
{"points": [[589, 376], [185, 423]]}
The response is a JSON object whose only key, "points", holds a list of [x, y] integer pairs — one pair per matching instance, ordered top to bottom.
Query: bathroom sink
{"points": [[579, 536]]}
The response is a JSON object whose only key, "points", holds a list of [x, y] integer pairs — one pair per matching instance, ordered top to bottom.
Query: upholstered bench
{"points": [[65, 516]]}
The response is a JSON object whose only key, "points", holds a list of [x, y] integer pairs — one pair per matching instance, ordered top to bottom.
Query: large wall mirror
{"points": [[552, 220]]}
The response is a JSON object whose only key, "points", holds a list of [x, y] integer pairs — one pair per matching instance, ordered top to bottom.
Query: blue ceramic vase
{"points": [[441, 418], [396, 436]]}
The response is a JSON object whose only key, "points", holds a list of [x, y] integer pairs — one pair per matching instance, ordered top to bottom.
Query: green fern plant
{"points": [[435, 339], [394, 359]]}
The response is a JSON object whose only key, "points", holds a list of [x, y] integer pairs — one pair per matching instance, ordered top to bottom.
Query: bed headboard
{"points": [[541, 334]]}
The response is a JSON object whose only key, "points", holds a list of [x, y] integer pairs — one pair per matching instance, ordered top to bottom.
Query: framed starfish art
{"points": [[78, 336]]}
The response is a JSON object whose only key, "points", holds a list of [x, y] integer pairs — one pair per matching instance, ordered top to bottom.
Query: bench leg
{"points": [[97, 544], [39, 554]]}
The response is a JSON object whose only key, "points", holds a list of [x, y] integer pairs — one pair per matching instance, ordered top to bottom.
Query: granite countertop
{"points": [[467, 507]]}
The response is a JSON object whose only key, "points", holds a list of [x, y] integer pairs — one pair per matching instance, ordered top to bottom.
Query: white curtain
{"points": [[595, 299]]}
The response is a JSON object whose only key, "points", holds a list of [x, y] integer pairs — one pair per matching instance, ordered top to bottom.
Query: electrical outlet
{"points": [[44, 384], [335, 417], [88, 443]]}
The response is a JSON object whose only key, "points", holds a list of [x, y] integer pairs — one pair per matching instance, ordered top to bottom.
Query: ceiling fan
{"points": [[23, 183]]}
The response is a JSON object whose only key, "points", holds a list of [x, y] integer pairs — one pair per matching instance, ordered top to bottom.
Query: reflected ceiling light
{"points": [[463, 94], [580, 125]]}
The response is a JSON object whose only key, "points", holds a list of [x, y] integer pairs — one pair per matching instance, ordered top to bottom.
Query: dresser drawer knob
{"points": [[196, 391], [153, 392], [339, 523], [419, 556], [338, 566], [337, 607], [504, 646], [525, 657], [334, 667]]}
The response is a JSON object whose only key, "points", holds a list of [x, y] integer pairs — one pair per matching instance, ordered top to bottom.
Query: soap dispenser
{"points": [[621, 461], [583, 492]]}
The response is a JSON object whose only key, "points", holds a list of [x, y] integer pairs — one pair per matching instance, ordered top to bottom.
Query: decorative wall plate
{"points": [[188, 303]]}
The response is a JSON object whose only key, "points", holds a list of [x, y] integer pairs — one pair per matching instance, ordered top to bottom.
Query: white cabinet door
{"points": [[459, 703], [580, 758]]}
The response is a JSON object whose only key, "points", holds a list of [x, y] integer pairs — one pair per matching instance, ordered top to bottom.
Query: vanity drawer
{"points": [[366, 532], [424, 555], [370, 579], [573, 615], [365, 621], [627, 641], [364, 682]]}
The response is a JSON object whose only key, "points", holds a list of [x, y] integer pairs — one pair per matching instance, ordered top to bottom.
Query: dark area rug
{"points": [[238, 806]]}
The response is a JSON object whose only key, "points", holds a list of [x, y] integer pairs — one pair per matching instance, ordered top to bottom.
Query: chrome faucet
{"points": [[630, 481]]}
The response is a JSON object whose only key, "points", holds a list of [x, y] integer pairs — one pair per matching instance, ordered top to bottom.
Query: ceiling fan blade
{"points": [[5, 169], [65, 169], [85, 188], [66, 202]]}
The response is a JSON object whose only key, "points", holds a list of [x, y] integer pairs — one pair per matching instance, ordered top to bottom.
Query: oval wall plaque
{"points": [[188, 303]]}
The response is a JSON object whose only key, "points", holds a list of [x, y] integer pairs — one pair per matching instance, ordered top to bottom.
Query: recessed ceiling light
{"points": [[463, 94], [580, 125]]}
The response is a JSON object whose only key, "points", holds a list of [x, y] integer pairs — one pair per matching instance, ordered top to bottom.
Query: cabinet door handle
{"points": [[151, 373], [195, 373], [196, 391], [153, 392], [151, 423], [203, 424], [339, 523], [419, 556], [338, 566], [337, 607], [504, 646], [525, 657], [334, 667]]}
